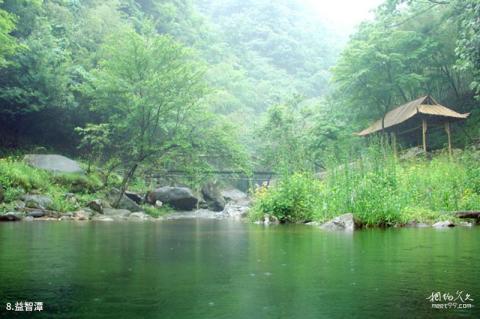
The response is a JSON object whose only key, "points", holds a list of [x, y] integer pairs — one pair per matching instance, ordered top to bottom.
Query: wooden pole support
{"points": [[447, 129], [424, 135], [394, 143]]}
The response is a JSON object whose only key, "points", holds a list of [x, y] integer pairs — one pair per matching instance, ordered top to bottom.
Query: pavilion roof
{"points": [[424, 105]]}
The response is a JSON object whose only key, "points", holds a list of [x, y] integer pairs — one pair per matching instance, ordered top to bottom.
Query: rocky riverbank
{"points": [[53, 187], [72, 197], [232, 210], [348, 222]]}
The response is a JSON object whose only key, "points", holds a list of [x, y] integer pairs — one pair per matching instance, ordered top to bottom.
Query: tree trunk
{"points": [[126, 179]]}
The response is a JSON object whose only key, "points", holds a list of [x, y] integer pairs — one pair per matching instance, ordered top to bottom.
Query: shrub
{"points": [[77, 183], [293, 199], [157, 212]]}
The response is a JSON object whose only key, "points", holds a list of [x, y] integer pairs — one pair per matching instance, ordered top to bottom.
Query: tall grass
{"points": [[17, 178], [378, 189]]}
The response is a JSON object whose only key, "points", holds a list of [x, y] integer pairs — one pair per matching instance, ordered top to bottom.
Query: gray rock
{"points": [[412, 153], [53, 163], [235, 195], [135, 197], [213, 197], [71, 198], [180, 198], [37, 201], [125, 202], [158, 204], [202, 204], [19, 205], [96, 205], [235, 211], [36, 213], [53, 214], [82, 214], [116, 214], [195, 214], [139, 216], [11, 217], [47, 218], [66, 218], [102, 218], [29, 219], [268, 220], [345, 222], [416, 224], [443, 224], [465, 224]]}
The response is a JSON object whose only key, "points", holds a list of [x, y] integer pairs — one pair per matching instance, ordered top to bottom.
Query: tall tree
{"points": [[147, 89]]}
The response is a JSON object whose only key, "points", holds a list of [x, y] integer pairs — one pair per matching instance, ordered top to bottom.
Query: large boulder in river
{"points": [[53, 163], [234, 195], [135, 197], [213, 197], [179, 198], [37, 201], [125, 202], [235, 211], [139, 216], [10, 217], [268, 219], [346, 222], [443, 224]]}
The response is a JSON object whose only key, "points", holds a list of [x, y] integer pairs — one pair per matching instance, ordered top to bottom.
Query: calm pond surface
{"points": [[220, 269]]}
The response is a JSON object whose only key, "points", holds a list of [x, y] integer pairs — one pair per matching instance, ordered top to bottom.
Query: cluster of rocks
{"points": [[210, 202], [229, 203], [38, 207], [345, 222], [348, 222]]}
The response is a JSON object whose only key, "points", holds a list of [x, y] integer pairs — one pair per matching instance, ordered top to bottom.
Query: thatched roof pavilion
{"points": [[415, 115]]}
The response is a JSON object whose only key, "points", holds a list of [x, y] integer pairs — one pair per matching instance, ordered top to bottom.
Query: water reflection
{"points": [[220, 269]]}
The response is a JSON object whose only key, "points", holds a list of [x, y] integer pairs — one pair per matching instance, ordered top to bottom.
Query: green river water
{"points": [[222, 269]]}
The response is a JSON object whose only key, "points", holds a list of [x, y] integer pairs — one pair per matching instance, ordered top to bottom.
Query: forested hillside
{"points": [[412, 48], [254, 54], [129, 85], [135, 88]]}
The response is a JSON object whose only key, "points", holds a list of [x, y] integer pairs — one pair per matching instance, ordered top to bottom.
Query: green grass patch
{"points": [[18, 178], [157, 211]]}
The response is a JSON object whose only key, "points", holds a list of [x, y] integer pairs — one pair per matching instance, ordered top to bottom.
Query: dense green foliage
{"points": [[9, 45], [411, 49], [248, 66], [146, 91], [299, 136], [377, 190]]}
